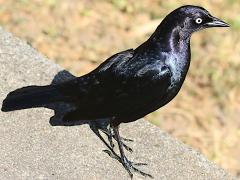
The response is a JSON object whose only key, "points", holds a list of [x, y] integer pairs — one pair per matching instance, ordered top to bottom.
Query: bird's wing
{"points": [[118, 58], [81, 89], [110, 90], [90, 92], [116, 96]]}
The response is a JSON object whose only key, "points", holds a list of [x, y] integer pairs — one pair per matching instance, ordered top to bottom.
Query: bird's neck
{"points": [[171, 39]]}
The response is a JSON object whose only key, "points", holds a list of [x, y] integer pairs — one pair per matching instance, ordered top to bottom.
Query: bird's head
{"points": [[193, 18], [179, 25]]}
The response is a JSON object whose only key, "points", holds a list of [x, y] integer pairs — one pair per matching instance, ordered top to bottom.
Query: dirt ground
{"points": [[81, 34]]}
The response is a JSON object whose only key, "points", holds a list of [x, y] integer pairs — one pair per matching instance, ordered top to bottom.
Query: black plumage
{"points": [[129, 84]]}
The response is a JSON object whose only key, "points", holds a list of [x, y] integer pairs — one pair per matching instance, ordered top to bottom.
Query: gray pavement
{"points": [[31, 148]]}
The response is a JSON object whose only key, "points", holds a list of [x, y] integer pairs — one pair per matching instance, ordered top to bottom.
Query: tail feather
{"points": [[31, 96]]}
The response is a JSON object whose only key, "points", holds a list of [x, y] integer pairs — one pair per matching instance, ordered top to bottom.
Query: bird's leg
{"points": [[105, 127], [110, 134], [124, 145], [110, 152], [125, 162], [128, 165]]}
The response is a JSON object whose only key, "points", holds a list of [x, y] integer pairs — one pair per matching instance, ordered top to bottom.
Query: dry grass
{"points": [[81, 34]]}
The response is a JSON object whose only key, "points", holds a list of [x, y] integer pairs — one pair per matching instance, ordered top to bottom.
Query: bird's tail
{"points": [[31, 96]]}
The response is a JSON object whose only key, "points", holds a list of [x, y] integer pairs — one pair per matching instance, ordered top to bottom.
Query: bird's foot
{"points": [[128, 165], [131, 167]]}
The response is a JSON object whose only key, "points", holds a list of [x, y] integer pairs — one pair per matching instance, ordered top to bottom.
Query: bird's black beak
{"points": [[215, 22]]}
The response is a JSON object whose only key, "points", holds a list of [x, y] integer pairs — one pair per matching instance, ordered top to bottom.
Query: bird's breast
{"points": [[178, 65]]}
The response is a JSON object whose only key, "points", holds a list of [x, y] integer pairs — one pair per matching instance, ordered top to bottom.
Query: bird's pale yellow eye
{"points": [[198, 20]]}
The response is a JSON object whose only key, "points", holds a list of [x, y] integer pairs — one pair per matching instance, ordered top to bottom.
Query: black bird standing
{"points": [[129, 84]]}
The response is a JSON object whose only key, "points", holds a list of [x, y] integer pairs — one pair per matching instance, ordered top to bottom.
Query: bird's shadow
{"points": [[61, 109]]}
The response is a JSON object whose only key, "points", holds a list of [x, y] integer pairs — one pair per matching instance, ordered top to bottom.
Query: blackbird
{"points": [[130, 84]]}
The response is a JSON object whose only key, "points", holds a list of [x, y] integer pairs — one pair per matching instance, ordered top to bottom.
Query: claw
{"points": [[127, 140], [127, 148], [112, 155], [139, 164], [129, 166], [142, 173]]}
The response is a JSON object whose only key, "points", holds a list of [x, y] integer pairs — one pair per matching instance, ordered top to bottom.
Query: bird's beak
{"points": [[215, 22]]}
